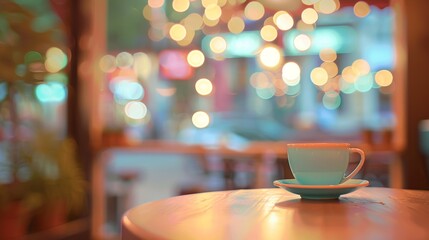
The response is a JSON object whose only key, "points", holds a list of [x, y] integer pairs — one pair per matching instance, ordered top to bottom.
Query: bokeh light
{"points": [[309, 2], [155, 3], [207, 3], [180, 5], [327, 6], [361, 9], [254, 11], [147, 12], [213, 12], [309, 16], [283, 20], [193, 21], [209, 23], [236, 25], [302, 26], [177, 32], [269, 33], [190, 34], [157, 35], [302, 42], [218, 44], [328, 55], [32, 57], [270, 57], [196, 58], [56, 60], [124, 60], [107, 63], [142, 64], [361, 67], [331, 68], [291, 73], [349, 75], [319, 76], [384, 78], [260, 80], [364, 83], [203, 86], [347, 87], [128, 90], [293, 90], [51, 92], [266, 93], [331, 100], [135, 110], [200, 119]]}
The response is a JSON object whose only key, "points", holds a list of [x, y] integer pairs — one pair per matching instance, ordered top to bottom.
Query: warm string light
{"points": [[236, 15]]}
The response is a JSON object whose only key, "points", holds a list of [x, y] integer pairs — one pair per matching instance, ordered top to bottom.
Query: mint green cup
{"points": [[322, 163]]}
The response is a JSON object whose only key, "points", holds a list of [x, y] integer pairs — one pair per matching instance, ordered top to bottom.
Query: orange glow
{"points": [[327, 6], [361, 9], [254, 11], [309, 16], [193, 21], [209, 22], [236, 25], [302, 26], [188, 38], [328, 55], [361, 67], [331, 68], [349, 75], [319, 76], [384, 78], [260, 80]]}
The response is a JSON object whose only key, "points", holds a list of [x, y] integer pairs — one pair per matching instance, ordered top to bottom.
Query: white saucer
{"points": [[320, 191]]}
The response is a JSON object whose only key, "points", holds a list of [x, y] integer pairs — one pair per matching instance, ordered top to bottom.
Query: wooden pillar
{"points": [[85, 23], [412, 90]]}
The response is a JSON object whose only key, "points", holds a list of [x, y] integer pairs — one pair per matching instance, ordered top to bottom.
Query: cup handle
{"points": [[359, 166]]}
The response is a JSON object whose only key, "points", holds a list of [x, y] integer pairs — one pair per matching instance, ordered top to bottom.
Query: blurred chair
{"points": [[424, 140], [127, 173]]}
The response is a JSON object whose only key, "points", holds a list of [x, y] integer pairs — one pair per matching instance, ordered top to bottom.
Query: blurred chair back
{"points": [[424, 140]]}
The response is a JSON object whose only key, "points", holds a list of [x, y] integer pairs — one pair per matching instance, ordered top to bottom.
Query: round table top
{"points": [[273, 213]]}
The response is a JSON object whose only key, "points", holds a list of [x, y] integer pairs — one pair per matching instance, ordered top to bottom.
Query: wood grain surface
{"points": [[271, 213]]}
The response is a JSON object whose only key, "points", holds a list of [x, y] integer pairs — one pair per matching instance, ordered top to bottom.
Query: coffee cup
{"points": [[322, 163]]}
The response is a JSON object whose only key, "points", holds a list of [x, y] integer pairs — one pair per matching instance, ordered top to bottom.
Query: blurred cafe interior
{"points": [[108, 104]]}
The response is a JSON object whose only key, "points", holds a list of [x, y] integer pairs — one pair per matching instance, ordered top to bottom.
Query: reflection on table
{"points": [[368, 213]]}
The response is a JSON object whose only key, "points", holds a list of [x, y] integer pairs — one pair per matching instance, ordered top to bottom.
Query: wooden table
{"points": [[273, 213]]}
